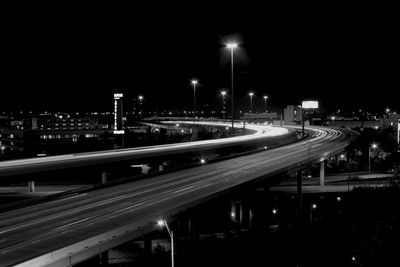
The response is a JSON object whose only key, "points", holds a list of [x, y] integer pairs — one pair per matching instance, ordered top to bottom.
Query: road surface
{"points": [[32, 165], [60, 229]]}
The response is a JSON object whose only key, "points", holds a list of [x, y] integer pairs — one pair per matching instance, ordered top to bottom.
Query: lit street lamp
{"points": [[232, 46], [194, 82], [223, 93], [251, 101], [140, 102], [265, 102], [373, 146], [312, 207], [274, 212], [162, 223]]}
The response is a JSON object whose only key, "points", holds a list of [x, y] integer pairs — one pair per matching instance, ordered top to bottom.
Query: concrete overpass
{"points": [[66, 231]]}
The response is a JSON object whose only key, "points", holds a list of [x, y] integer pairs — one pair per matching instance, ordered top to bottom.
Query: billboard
{"points": [[309, 104]]}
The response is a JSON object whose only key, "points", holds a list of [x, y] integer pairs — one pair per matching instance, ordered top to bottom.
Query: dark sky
{"points": [[70, 60]]}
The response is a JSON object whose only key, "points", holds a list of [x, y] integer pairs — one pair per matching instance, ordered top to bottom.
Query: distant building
{"points": [[118, 111], [292, 115], [264, 116], [52, 134]]}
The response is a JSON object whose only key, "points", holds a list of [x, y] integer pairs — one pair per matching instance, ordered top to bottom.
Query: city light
{"points": [[231, 45], [203, 161]]}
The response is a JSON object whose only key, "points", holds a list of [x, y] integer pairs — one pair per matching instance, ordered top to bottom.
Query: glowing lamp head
{"points": [[231, 45], [194, 82], [223, 93], [251, 94], [140, 97], [265, 97], [374, 146], [202, 161], [314, 206], [274, 211], [161, 223]]}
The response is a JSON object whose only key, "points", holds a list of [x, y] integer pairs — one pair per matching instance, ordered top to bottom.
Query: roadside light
{"points": [[202, 161], [338, 199], [314, 206], [274, 211], [232, 214], [161, 223]]}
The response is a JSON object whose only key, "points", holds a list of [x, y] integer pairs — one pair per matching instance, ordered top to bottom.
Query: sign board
{"points": [[309, 104], [398, 132]]}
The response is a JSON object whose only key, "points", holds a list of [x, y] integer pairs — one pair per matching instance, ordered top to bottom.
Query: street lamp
{"points": [[232, 46], [194, 82], [223, 93], [251, 101], [140, 102], [265, 102], [373, 146], [312, 207], [274, 212], [162, 223]]}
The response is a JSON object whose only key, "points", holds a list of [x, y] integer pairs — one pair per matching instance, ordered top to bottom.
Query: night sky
{"points": [[70, 60]]}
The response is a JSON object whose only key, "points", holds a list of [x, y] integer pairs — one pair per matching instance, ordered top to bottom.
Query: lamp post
{"points": [[232, 46], [194, 82], [223, 93], [251, 101], [265, 102], [140, 103], [373, 146], [312, 207], [171, 234]]}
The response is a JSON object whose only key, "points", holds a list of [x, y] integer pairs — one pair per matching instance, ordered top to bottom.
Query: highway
{"points": [[32, 165], [56, 231]]}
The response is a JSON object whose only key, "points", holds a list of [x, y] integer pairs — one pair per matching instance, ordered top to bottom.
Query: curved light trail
{"points": [[58, 230]]}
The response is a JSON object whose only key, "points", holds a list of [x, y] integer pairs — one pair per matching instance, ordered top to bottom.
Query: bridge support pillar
{"points": [[322, 173], [103, 177], [31, 186], [299, 194], [148, 247], [104, 258]]}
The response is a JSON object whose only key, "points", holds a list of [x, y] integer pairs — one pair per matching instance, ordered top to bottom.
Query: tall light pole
{"points": [[232, 46], [194, 82], [223, 93], [251, 101], [140, 102], [265, 102], [373, 146], [171, 234]]}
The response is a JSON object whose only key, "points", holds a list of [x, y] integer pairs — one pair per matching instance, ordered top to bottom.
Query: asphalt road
{"points": [[40, 164], [50, 231]]}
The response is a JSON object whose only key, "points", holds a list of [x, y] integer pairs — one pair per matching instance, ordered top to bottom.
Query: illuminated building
{"points": [[118, 112]]}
